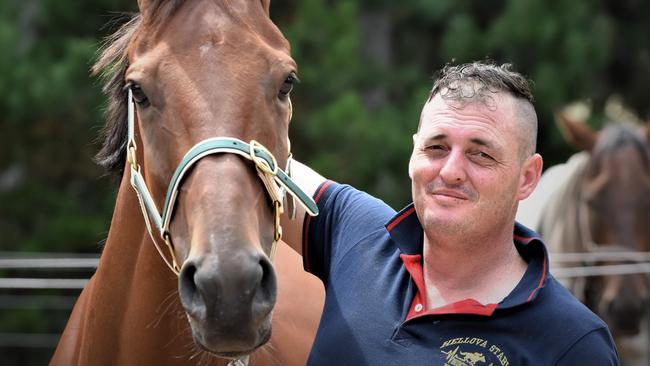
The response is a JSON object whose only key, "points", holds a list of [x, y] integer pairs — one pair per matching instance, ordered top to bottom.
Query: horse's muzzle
{"points": [[229, 300]]}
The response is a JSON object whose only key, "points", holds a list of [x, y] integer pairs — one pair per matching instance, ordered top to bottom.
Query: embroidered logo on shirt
{"points": [[469, 351]]}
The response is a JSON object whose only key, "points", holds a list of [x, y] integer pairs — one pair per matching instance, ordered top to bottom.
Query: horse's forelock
{"points": [[159, 11], [111, 66], [618, 135]]}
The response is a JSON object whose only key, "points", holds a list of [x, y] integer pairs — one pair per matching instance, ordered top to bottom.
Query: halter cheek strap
{"points": [[275, 180]]}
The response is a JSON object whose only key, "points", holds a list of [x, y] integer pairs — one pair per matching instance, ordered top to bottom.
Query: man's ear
{"points": [[576, 133], [415, 138], [531, 171]]}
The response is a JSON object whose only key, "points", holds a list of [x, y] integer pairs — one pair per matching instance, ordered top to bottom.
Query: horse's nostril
{"points": [[267, 272], [268, 281], [187, 284], [644, 303], [611, 308], [629, 309]]}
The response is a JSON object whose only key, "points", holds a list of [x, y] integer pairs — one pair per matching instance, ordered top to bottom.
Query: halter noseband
{"points": [[276, 181]]}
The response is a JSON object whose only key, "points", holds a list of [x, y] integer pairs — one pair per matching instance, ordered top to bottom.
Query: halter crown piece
{"points": [[276, 182]]}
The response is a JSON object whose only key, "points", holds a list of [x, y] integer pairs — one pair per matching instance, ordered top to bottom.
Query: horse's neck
{"points": [[557, 208], [560, 224], [129, 313]]}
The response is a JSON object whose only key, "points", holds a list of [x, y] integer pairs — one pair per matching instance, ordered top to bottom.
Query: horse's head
{"points": [[197, 70], [615, 213]]}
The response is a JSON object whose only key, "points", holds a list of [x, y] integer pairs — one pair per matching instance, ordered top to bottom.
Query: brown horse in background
{"points": [[195, 70], [599, 202]]}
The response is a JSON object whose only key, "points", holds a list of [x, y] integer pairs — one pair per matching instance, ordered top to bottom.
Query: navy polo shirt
{"points": [[369, 259]]}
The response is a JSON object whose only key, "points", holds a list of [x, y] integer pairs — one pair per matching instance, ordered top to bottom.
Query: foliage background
{"points": [[365, 66]]}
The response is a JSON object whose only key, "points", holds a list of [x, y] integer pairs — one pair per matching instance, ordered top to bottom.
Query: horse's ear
{"points": [[266, 5], [144, 6], [577, 133]]}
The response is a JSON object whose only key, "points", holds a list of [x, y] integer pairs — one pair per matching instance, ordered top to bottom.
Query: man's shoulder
{"points": [[354, 203], [564, 307], [576, 331]]}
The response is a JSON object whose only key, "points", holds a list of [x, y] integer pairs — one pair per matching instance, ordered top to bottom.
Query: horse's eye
{"points": [[287, 85], [139, 96]]}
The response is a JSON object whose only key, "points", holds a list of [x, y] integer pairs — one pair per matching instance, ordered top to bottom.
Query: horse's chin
{"points": [[224, 345]]}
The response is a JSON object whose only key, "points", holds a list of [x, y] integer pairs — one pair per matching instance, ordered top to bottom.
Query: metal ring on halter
{"points": [[131, 156], [260, 163], [290, 201], [277, 210]]}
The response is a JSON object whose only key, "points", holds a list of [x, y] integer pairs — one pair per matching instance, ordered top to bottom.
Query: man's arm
{"points": [[309, 181]]}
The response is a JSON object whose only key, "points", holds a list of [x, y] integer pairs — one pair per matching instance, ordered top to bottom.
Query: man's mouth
{"points": [[450, 193]]}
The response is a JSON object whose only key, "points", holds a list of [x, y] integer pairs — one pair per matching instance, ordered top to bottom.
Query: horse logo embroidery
{"points": [[473, 357], [460, 358]]}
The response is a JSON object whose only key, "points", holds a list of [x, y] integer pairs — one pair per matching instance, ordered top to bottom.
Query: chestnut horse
{"points": [[199, 97], [599, 202]]}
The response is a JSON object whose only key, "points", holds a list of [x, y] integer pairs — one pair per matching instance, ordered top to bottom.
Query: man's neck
{"points": [[484, 269]]}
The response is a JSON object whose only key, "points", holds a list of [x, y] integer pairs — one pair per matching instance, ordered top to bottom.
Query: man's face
{"points": [[466, 169]]}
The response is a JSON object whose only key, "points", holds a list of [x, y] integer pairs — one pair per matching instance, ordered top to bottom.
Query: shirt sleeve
{"points": [[346, 216], [596, 348]]}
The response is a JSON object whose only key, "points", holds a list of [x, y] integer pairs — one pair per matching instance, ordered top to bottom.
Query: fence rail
{"points": [[629, 256], [66, 262], [49, 263], [57, 263], [603, 270], [43, 285]]}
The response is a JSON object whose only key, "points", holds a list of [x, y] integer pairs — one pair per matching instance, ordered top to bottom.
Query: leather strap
{"points": [[275, 180]]}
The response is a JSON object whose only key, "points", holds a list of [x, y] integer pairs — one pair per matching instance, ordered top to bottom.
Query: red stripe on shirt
{"points": [[400, 218], [305, 228], [541, 282]]}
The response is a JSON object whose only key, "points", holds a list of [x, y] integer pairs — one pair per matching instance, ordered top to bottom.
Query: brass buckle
{"points": [[130, 155], [260, 163], [277, 208]]}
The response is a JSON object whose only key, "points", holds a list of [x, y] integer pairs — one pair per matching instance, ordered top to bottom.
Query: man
{"points": [[451, 279]]}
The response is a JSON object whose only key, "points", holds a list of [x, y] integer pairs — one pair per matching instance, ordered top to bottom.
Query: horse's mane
{"points": [[111, 66], [615, 136]]}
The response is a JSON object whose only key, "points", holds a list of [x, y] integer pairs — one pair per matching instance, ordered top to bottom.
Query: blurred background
{"points": [[365, 69]]}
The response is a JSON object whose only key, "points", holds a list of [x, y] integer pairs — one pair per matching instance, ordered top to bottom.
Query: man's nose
{"points": [[452, 171]]}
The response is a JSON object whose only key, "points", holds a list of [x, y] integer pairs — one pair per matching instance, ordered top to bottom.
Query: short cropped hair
{"points": [[485, 78], [479, 82]]}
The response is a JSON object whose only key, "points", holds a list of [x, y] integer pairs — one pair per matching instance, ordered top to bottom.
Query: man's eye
{"points": [[436, 150], [483, 156]]}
